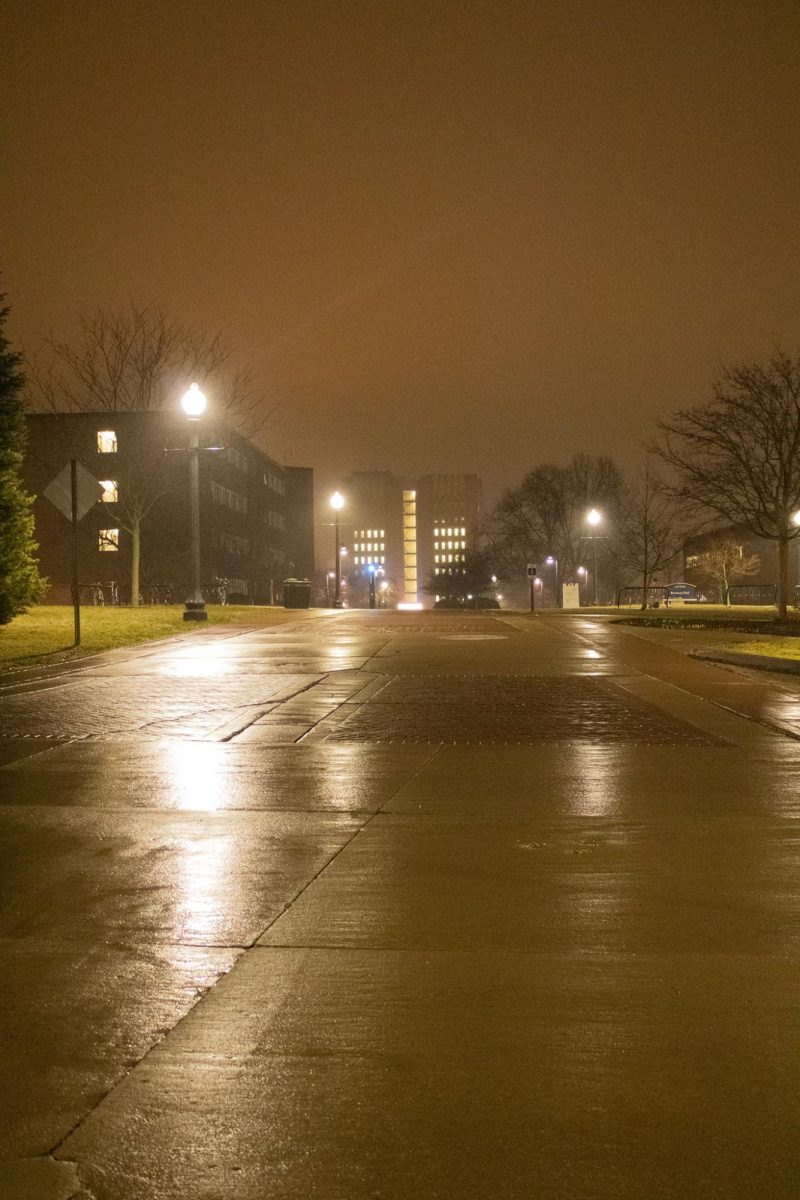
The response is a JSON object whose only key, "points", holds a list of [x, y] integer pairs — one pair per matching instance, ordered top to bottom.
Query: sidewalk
{"points": [[395, 905]]}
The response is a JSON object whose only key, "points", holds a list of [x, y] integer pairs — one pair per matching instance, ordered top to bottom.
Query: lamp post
{"points": [[193, 404], [337, 504], [594, 518], [552, 561], [371, 572], [581, 573]]}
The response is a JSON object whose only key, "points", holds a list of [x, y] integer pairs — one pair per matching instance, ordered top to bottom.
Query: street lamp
{"points": [[193, 404], [337, 504], [593, 518], [552, 561], [581, 572]]}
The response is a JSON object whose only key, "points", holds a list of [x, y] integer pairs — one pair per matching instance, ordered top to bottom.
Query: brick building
{"points": [[256, 516]]}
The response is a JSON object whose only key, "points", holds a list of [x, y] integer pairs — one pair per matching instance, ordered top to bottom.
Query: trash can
{"points": [[296, 593]]}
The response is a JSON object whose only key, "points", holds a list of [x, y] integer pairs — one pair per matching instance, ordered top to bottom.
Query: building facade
{"points": [[256, 522], [409, 528]]}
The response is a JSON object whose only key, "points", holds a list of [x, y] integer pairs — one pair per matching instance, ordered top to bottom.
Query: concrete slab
{"points": [[626, 782], [207, 878], [674, 885], [75, 1017], [464, 1076], [40, 1179]]}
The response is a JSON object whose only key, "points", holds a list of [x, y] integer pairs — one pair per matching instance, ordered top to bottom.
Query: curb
{"points": [[761, 662]]}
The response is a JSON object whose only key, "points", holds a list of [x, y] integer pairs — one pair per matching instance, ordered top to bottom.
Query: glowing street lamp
{"points": [[193, 403], [337, 504], [593, 518], [552, 561]]}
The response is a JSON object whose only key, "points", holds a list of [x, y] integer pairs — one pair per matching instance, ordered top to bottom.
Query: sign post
{"points": [[73, 492], [532, 577], [76, 595]]}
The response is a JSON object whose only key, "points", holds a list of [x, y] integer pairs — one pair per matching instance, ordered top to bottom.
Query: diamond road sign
{"points": [[59, 492]]}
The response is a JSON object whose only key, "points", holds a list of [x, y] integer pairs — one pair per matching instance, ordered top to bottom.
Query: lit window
{"points": [[106, 441], [110, 493], [383, 533], [108, 539]]}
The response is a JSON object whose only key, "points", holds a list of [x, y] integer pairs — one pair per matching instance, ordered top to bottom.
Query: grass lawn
{"points": [[45, 633], [770, 647]]}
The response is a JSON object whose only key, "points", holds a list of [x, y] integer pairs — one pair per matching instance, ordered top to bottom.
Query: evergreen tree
{"points": [[20, 582]]}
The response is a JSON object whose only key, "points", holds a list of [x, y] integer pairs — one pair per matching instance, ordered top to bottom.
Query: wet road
{"points": [[400, 905]]}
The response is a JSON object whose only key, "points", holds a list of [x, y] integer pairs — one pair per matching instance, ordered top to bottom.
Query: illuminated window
{"points": [[106, 441], [110, 492], [383, 533], [108, 539]]}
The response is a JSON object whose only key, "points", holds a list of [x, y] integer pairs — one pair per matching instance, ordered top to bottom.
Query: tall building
{"points": [[449, 514], [256, 516], [410, 527]]}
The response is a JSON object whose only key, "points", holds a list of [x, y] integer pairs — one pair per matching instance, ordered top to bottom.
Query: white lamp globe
{"points": [[193, 402], [337, 501], [593, 517]]}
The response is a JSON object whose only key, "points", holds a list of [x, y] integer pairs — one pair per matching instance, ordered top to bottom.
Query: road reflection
{"points": [[197, 774], [205, 886]]}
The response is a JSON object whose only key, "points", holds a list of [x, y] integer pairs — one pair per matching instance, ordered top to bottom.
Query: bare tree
{"points": [[138, 359], [738, 457], [546, 515], [654, 529], [722, 561], [465, 581]]}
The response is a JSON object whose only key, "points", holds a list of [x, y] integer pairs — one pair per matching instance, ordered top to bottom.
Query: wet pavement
{"points": [[391, 905]]}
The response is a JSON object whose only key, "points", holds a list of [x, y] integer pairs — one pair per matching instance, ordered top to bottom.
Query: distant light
{"points": [[193, 402], [337, 501], [593, 517], [796, 517], [343, 550], [549, 560], [581, 570], [331, 574], [494, 579], [384, 586], [469, 595], [499, 596], [407, 607]]}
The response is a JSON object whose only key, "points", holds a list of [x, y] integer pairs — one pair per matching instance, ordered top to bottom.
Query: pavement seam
{"points": [[244, 951], [53, 1152]]}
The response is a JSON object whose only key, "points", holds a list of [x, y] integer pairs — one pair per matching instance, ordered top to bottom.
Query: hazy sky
{"points": [[455, 236]]}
